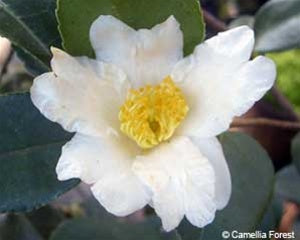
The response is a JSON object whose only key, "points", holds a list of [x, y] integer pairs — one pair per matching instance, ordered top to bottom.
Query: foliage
{"points": [[76, 16], [277, 26], [32, 28], [288, 77], [29, 149], [288, 184]]}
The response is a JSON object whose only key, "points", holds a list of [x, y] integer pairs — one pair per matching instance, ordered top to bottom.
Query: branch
{"points": [[213, 22], [284, 103], [265, 122]]}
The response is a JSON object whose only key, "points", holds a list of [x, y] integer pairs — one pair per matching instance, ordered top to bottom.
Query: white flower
{"points": [[155, 145]]}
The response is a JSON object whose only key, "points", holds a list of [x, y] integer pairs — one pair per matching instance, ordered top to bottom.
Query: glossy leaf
{"points": [[76, 16], [242, 20], [277, 26], [32, 27], [33, 66], [30, 146], [288, 184], [252, 186], [272, 217], [189, 232]]}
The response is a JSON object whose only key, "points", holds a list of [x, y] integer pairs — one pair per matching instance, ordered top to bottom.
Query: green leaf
{"points": [[76, 16], [242, 20], [277, 26], [32, 27], [34, 67], [288, 77], [30, 146], [296, 151], [288, 184], [252, 186], [272, 217], [17, 227], [94, 229], [188, 232]]}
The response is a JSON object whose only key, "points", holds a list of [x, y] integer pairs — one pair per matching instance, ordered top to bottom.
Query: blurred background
{"points": [[273, 121]]}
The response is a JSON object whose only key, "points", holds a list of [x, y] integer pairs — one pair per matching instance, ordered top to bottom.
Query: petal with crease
{"points": [[147, 56], [220, 83], [81, 94], [212, 150], [80, 158], [105, 163], [182, 181], [121, 195]]}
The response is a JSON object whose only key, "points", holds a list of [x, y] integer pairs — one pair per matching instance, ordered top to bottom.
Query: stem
{"points": [[213, 22], [284, 103], [265, 122]]}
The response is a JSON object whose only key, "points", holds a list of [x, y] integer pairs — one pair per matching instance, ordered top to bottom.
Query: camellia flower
{"points": [[146, 118]]}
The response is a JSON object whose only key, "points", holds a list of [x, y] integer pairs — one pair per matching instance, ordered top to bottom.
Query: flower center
{"points": [[151, 114]]}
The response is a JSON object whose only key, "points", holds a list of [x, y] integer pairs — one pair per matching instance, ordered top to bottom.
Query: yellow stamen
{"points": [[151, 114]]}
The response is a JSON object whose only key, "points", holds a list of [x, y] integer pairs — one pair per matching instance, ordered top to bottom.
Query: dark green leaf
{"points": [[76, 16], [277, 26], [32, 27], [34, 67], [30, 146], [296, 151], [288, 184], [252, 186], [17, 227], [95, 229], [188, 232]]}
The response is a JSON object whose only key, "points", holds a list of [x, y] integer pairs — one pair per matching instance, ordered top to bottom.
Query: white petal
{"points": [[235, 44], [146, 56], [256, 77], [219, 83], [81, 94], [212, 150], [81, 158], [106, 163], [182, 181], [121, 195]]}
